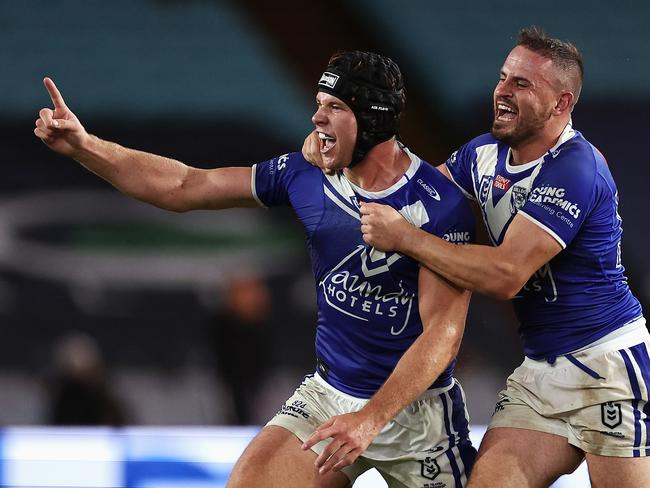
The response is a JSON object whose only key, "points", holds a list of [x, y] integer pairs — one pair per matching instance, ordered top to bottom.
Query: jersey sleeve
{"points": [[459, 166], [271, 179], [562, 196], [455, 223]]}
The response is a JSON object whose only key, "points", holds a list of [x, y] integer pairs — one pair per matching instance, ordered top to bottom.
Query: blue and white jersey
{"points": [[581, 294], [367, 300]]}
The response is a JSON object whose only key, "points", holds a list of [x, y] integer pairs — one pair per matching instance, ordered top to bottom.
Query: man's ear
{"points": [[564, 103]]}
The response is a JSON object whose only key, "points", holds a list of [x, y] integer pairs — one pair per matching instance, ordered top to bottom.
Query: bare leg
{"points": [[522, 458], [274, 459], [605, 471]]}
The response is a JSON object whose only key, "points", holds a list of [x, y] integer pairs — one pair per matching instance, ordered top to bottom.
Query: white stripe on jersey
{"points": [[486, 161], [340, 204], [415, 213]]}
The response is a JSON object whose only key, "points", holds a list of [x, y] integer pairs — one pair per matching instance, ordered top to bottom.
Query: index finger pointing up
{"points": [[54, 92]]}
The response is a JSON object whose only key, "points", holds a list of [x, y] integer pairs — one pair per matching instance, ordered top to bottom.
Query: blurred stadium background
{"points": [[125, 302]]}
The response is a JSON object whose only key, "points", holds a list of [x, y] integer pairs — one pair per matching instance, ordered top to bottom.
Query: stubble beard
{"points": [[521, 133]]}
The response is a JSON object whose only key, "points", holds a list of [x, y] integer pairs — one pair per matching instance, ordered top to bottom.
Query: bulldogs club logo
{"points": [[518, 198], [611, 415]]}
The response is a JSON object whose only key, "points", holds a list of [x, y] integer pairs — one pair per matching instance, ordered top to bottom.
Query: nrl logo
{"points": [[328, 79], [484, 189], [611, 415], [430, 468]]}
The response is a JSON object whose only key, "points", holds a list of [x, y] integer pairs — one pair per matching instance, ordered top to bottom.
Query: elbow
{"points": [[173, 199], [165, 202], [174, 206], [176, 209], [507, 284], [505, 290], [504, 293], [453, 337], [455, 344]]}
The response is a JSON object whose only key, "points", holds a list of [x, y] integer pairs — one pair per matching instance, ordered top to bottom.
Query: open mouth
{"points": [[504, 112], [327, 142]]}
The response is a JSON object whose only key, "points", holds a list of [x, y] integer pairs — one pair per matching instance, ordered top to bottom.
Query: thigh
{"points": [[597, 399], [313, 403], [613, 420], [427, 444], [522, 458], [274, 459], [427, 470], [605, 471]]}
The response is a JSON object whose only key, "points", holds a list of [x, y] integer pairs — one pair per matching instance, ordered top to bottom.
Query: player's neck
{"points": [[538, 145], [381, 168]]}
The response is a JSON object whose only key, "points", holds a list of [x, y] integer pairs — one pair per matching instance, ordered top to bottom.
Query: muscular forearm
{"points": [[147, 177], [474, 267], [418, 368]]}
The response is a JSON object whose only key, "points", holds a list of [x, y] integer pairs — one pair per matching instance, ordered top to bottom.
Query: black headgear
{"points": [[372, 86]]}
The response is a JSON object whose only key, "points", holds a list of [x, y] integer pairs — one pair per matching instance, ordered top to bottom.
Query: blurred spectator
{"points": [[239, 341], [79, 388]]}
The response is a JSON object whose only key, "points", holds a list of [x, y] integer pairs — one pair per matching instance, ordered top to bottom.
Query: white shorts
{"points": [[596, 397], [426, 445]]}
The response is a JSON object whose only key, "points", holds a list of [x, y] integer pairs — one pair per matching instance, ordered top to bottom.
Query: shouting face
{"points": [[524, 97], [337, 129]]}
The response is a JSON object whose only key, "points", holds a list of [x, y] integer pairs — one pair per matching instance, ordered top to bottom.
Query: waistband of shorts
{"points": [[629, 335], [430, 393]]}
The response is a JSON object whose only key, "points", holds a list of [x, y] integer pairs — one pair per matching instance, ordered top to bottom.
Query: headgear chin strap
{"points": [[375, 107]]}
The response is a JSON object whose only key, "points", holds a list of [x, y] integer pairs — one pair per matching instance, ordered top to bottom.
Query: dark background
{"points": [[217, 83]]}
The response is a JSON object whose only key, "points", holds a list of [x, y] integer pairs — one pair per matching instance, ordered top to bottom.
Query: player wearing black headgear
{"points": [[372, 86], [382, 394]]}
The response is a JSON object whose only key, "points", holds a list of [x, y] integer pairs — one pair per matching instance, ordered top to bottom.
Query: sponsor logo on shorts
{"points": [[501, 405], [295, 409], [610, 414], [618, 435], [431, 450], [430, 468], [435, 484]]}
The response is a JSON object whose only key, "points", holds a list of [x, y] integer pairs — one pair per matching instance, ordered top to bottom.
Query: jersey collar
{"points": [[567, 133], [406, 177]]}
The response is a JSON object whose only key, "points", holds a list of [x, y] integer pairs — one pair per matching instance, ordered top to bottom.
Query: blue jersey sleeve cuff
{"points": [[254, 189], [467, 195], [543, 227]]}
